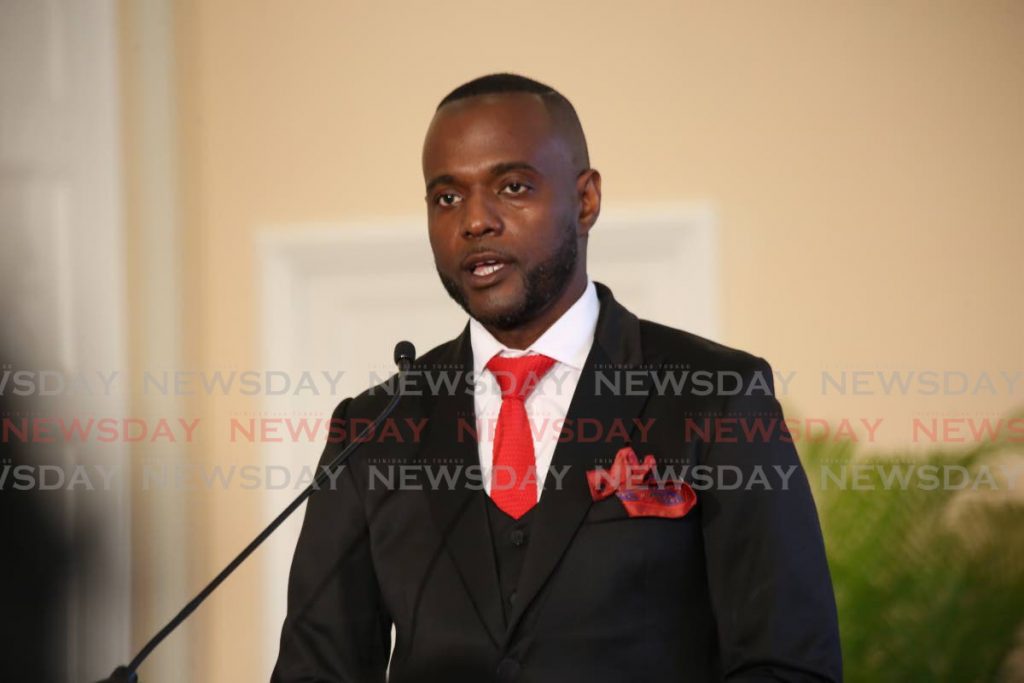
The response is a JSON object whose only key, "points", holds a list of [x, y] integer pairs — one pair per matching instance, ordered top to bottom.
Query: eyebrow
{"points": [[496, 170], [439, 180]]}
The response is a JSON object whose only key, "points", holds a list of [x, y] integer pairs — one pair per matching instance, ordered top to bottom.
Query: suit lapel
{"points": [[562, 508], [459, 511]]}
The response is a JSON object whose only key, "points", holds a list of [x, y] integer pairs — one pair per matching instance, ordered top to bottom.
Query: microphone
{"points": [[405, 354]]}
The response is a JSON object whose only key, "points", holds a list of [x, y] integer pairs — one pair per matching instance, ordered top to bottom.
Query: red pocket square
{"points": [[640, 492]]}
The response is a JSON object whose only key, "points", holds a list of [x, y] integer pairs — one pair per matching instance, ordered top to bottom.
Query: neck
{"points": [[521, 337]]}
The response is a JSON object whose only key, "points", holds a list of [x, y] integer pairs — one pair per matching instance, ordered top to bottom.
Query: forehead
{"points": [[474, 134]]}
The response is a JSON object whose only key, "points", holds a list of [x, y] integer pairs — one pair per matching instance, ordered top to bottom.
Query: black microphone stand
{"points": [[405, 353]]}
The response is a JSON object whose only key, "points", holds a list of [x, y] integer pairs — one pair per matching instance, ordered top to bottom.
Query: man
{"points": [[522, 565]]}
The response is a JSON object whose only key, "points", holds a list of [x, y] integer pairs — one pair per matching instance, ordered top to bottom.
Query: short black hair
{"points": [[501, 83], [558, 104]]}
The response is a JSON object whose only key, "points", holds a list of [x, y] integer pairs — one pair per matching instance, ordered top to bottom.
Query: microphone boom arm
{"points": [[404, 355]]}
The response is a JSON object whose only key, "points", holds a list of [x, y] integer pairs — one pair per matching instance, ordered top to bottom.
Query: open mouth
{"points": [[486, 268]]}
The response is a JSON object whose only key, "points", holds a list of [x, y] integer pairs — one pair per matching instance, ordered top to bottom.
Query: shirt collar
{"points": [[568, 340]]}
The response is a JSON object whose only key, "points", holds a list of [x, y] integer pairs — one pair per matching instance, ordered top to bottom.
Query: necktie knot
{"points": [[518, 377]]}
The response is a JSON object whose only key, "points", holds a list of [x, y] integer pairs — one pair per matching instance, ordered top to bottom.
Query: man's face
{"points": [[502, 207]]}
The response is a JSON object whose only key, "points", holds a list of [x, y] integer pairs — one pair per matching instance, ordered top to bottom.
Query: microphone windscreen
{"points": [[404, 350]]}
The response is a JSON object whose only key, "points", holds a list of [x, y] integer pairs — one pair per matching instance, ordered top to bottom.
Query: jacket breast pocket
{"points": [[609, 509]]}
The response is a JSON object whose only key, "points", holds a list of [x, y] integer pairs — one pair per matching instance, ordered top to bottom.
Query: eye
{"points": [[515, 188], [447, 199]]}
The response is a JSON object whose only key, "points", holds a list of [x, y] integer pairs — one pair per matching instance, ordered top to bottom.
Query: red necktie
{"points": [[513, 439]]}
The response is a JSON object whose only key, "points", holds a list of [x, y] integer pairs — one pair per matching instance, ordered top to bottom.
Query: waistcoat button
{"points": [[508, 670]]}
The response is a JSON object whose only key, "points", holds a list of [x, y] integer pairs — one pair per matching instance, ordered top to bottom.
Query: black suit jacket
{"points": [[737, 590]]}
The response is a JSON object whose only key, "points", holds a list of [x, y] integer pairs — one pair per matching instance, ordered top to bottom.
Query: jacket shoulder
{"points": [[668, 345], [441, 354]]}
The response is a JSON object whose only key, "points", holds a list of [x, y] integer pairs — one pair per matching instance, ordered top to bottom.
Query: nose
{"points": [[480, 216]]}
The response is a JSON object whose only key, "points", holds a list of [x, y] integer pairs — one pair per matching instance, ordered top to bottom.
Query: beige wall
{"points": [[865, 160]]}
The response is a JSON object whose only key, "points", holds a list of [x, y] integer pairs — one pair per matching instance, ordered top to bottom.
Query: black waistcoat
{"points": [[510, 538]]}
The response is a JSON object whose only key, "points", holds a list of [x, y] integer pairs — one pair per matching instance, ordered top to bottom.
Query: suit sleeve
{"points": [[769, 580], [336, 629]]}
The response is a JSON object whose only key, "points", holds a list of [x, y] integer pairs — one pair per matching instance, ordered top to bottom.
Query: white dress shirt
{"points": [[568, 342]]}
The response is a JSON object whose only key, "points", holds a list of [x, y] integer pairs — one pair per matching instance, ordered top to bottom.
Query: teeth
{"points": [[487, 268]]}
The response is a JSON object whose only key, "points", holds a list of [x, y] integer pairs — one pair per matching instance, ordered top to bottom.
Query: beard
{"points": [[544, 283]]}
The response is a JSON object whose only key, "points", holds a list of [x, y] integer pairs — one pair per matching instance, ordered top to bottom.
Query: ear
{"points": [[588, 189]]}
